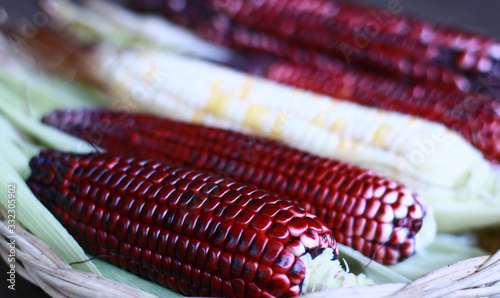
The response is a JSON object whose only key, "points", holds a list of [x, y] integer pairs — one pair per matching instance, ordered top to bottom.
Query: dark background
{"points": [[477, 16]]}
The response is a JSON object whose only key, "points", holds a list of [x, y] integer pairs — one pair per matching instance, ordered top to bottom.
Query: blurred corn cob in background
{"points": [[313, 32]]}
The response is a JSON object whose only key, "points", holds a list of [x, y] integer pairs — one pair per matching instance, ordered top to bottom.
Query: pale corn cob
{"points": [[448, 168]]}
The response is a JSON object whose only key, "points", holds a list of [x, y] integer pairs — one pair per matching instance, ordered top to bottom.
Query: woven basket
{"points": [[39, 264]]}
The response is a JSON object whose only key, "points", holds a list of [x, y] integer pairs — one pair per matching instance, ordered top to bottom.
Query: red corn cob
{"points": [[329, 27], [305, 31], [375, 38], [366, 211], [197, 234]]}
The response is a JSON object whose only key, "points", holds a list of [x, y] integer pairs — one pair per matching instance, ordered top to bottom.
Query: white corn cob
{"points": [[104, 19], [434, 161]]}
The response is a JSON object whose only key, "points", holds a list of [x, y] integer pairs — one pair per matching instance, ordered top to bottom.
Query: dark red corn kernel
{"points": [[76, 209], [261, 223], [123, 228], [132, 232], [279, 232], [221, 234], [142, 235], [246, 240], [112, 243], [257, 246], [124, 250], [171, 253], [271, 253], [146, 255], [284, 262], [123, 263], [166, 264], [224, 265], [237, 265], [176, 269], [249, 270], [297, 272], [263, 276], [196, 278], [277, 281], [172, 284], [216, 285], [227, 289], [252, 290]]}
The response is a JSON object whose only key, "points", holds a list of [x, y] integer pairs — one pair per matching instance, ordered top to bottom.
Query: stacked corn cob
{"points": [[421, 154]]}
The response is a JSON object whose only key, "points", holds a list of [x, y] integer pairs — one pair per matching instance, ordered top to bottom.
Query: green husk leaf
{"points": [[99, 20], [40, 94], [46, 135], [17, 151], [13, 154], [16, 158], [37, 219], [446, 249], [115, 273], [379, 273]]}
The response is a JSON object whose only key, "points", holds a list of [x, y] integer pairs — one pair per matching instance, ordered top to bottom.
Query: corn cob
{"points": [[316, 31], [403, 46], [474, 117], [438, 164], [364, 210], [197, 234]]}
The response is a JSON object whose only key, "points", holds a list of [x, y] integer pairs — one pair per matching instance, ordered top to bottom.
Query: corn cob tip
{"points": [[427, 233]]}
